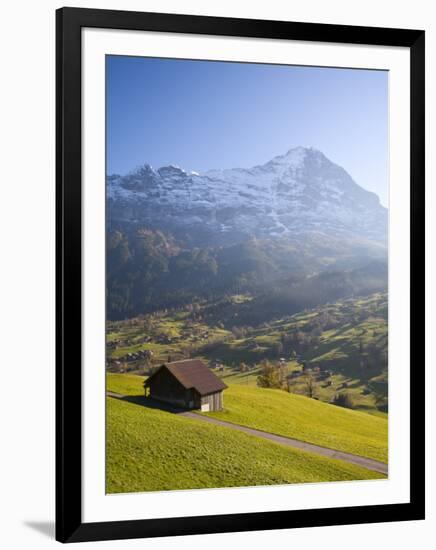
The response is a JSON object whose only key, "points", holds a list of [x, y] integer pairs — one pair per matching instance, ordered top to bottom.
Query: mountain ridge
{"points": [[300, 192]]}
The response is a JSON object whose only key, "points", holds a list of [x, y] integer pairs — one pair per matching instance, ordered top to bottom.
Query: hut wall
{"points": [[165, 387], [212, 402]]}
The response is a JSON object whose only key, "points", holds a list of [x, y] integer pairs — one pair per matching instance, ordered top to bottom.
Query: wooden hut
{"points": [[189, 384]]}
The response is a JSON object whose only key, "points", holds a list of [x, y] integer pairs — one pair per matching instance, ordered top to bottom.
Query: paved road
{"points": [[362, 461], [368, 463]]}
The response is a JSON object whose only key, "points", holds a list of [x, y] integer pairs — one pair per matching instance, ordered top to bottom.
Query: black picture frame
{"points": [[69, 525]]}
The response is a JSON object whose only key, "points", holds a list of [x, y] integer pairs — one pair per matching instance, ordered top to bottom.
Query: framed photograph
{"points": [[240, 274]]}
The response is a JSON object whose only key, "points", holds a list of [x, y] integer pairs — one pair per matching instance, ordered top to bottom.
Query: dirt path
{"points": [[362, 461]]}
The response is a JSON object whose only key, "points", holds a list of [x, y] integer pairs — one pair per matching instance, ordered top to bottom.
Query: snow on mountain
{"points": [[297, 193]]}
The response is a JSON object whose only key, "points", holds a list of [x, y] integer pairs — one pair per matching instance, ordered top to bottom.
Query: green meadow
{"points": [[125, 384], [290, 415], [306, 419], [149, 449], [152, 450]]}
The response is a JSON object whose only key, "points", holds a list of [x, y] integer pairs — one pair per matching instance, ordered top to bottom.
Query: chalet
{"points": [[188, 384]]}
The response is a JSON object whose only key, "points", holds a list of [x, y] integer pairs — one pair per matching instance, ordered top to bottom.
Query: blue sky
{"points": [[202, 114]]}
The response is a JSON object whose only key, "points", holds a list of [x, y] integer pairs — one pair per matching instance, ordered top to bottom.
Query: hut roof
{"points": [[193, 373]]}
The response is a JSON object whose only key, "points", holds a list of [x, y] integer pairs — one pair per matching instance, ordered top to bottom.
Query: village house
{"points": [[215, 364], [294, 374], [189, 384]]}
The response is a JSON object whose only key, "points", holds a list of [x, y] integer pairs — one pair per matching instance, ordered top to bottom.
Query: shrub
{"points": [[343, 400]]}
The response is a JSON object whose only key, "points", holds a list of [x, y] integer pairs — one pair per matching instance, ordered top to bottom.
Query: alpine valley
{"points": [[293, 233], [246, 278], [272, 279]]}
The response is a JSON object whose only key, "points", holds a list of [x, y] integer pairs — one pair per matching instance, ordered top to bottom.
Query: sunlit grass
{"points": [[306, 419], [151, 450]]}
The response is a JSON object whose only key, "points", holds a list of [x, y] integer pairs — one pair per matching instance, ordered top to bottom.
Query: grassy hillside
{"points": [[333, 335], [349, 338], [125, 384], [290, 415], [306, 419], [151, 450]]}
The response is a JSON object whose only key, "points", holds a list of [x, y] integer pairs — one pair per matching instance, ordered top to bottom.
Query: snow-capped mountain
{"points": [[300, 192]]}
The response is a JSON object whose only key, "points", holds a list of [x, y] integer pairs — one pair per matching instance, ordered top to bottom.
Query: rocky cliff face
{"points": [[299, 193]]}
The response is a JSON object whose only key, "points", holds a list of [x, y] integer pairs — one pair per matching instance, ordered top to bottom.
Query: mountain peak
{"points": [[300, 149], [299, 154], [295, 155], [298, 192]]}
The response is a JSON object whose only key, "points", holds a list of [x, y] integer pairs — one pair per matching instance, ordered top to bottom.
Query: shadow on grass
{"points": [[150, 403]]}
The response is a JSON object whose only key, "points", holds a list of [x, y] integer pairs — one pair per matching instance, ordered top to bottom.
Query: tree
{"points": [[238, 332], [243, 367], [270, 377], [309, 385]]}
